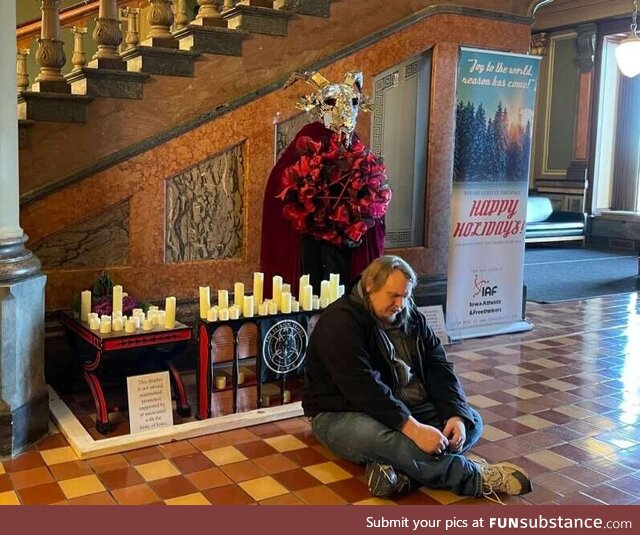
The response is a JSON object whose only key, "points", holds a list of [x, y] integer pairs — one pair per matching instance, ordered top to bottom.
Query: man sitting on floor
{"points": [[380, 391]]}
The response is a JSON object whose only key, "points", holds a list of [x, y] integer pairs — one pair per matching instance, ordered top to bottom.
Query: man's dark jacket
{"points": [[349, 369]]}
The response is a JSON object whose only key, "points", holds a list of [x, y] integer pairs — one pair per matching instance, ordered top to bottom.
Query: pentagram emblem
{"points": [[284, 346]]}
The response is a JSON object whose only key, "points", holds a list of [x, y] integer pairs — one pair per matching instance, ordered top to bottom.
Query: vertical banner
{"points": [[494, 120]]}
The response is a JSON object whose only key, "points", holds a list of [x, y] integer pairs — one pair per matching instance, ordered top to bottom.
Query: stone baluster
{"points": [[228, 4], [208, 14], [181, 19], [160, 21], [132, 36], [108, 37], [50, 54], [78, 58], [22, 76]]}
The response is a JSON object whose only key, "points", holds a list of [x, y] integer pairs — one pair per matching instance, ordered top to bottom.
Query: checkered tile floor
{"points": [[563, 401]]}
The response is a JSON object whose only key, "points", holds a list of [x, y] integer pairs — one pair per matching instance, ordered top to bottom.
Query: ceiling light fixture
{"points": [[628, 51]]}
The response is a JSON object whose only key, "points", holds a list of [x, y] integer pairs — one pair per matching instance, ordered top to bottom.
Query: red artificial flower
{"points": [[333, 192]]}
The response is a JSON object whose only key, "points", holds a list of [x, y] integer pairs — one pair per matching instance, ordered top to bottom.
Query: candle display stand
{"points": [[93, 348], [260, 350]]}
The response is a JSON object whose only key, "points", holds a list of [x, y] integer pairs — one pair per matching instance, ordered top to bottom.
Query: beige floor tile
{"points": [[547, 363], [512, 369], [476, 377], [559, 385], [523, 393], [482, 401], [575, 412], [533, 421], [493, 433], [285, 443], [59, 455], [226, 455], [550, 460], [157, 470], [327, 472], [81, 486], [263, 488], [444, 497], [9, 498], [190, 499], [375, 501]]}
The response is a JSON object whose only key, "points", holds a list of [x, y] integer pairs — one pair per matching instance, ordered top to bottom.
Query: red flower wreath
{"points": [[334, 193]]}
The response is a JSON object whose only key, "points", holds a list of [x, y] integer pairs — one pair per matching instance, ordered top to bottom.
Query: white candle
{"points": [[304, 281], [334, 282], [258, 284], [286, 288], [325, 288], [277, 290], [340, 290], [238, 294], [306, 297], [117, 298], [223, 298], [205, 301], [285, 302], [315, 302], [324, 302], [85, 305], [247, 306], [295, 306], [154, 308], [273, 308], [263, 309], [137, 312], [170, 312], [234, 313], [116, 314], [223, 314], [92, 315], [212, 315], [104, 318], [162, 319], [137, 320], [94, 324], [117, 324], [147, 325], [130, 326], [105, 327], [240, 378], [221, 382], [286, 396]]}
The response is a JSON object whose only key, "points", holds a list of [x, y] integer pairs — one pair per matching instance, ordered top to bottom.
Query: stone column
{"points": [[208, 14], [181, 19], [132, 36], [108, 37], [50, 54], [79, 58], [22, 75], [24, 406]]}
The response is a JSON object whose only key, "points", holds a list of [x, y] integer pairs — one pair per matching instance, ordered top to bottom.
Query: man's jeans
{"points": [[360, 438]]}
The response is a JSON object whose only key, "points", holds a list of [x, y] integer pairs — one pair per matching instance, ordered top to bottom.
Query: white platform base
{"points": [[86, 447]]}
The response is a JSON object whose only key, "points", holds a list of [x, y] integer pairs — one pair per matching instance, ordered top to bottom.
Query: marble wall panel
{"points": [[287, 130], [205, 210], [101, 240]]}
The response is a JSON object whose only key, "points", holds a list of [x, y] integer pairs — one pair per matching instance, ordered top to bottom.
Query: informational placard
{"points": [[435, 319], [149, 401]]}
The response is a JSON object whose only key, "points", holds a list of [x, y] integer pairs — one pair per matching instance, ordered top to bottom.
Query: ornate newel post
{"points": [[228, 4], [208, 14], [181, 19], [160, 21], [132, 35], [108, 37], [50, 54], [78, 58], [22, 76], [24, 402]]}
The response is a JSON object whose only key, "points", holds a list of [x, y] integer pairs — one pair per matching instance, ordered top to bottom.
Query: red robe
{"points": [[280, 251]]}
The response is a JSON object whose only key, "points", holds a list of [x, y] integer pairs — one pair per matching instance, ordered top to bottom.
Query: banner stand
{"points": [[492, 330]]}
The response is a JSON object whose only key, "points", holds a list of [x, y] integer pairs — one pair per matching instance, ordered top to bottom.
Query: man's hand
{"points": [[456, 432], [427, 438]]}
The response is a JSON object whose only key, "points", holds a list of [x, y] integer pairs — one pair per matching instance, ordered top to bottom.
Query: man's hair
{"points": [[376, 274]]}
